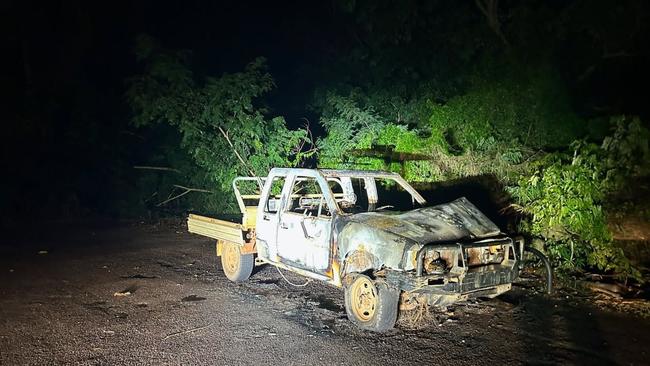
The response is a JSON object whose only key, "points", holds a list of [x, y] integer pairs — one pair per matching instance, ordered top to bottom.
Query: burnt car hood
{"points": [[457, 220]]}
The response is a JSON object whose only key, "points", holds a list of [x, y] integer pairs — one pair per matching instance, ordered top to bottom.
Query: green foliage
{"points": [[517, 111], [217, 117], [349, 126], [355, 126], [492, 128], [502, 129], [627, 151], [565, 196]]}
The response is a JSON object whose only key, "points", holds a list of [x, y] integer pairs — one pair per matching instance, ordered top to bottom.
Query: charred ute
{"points": [[368, 232]]}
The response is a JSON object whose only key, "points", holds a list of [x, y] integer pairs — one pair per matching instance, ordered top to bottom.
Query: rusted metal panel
{"points": [[387, 235], [249, 247]]}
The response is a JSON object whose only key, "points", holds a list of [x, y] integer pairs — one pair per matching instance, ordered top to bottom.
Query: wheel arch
{"points": [[360, 261]]}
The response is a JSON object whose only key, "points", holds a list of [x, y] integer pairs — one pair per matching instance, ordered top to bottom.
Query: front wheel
{"points": [[237, 267], [370, 304]]}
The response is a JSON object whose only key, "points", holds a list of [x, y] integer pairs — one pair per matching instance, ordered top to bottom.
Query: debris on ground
{"points": [[126, 292], [639, 307]]}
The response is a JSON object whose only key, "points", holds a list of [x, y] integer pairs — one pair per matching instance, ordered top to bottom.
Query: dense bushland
{"points": [[411, 94], [221, 130]]}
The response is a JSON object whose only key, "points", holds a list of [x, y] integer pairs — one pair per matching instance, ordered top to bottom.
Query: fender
{"points": [[360, 261]]}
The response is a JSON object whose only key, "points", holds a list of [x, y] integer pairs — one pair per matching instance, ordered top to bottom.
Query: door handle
{"points": [[266, 218], [283, 225], [304, 230]]}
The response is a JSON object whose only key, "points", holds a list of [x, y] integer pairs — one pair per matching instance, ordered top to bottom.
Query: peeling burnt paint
{"points": [[457, 220], [392, 237], [466, 253], [435, 255]]}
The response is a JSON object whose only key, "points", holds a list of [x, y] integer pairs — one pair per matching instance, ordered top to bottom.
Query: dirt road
{"points": [[153, 295]]}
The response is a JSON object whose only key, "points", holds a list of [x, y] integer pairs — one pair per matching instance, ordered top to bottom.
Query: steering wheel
{"points": [[384, 207]]}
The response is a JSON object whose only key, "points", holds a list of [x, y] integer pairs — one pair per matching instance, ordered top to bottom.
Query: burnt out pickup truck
{"points": [[368, 232]]}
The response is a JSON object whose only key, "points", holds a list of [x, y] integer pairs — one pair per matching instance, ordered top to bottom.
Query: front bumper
{"points": [[475, 279], [463, 280]]}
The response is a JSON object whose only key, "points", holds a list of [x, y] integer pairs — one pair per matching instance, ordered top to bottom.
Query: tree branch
{"points": [[490, 8], [310, 138], [164, 168], [252, 173], [192, 189], [186, 190], [187, 331]]}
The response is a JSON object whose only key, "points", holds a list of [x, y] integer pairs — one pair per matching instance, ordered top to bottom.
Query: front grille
{"points": [[466, 267], [487, 276]]}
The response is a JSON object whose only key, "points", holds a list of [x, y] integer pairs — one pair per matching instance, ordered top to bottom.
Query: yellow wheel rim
{"points": [[230, 258], [363, 299]]}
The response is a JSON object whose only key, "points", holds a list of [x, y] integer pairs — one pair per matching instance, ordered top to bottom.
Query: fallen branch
{"points": [[310, 139], [241, 160], [163, 168], [192, 189], [186, 190], [610, 289], [606, 292], [187, 331]]}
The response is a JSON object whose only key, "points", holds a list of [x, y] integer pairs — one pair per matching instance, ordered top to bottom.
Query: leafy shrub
{"points": [[523, 111], [221, 128], [566, 193]]}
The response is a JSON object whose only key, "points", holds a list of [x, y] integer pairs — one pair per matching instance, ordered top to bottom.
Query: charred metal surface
{"points": [[457, 220], [386, 248], [435, 255], [483, 268]]}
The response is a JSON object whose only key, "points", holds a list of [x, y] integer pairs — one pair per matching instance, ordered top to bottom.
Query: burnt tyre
{"points": [[237, 266], [371, 305]]}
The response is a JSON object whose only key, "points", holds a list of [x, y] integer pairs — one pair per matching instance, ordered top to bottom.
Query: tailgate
{"points": [[215, 229]]}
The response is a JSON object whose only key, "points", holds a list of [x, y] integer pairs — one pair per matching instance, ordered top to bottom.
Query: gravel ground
{"points": [[124, 294]]}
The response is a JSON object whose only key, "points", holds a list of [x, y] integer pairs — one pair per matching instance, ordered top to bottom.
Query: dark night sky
{"points": [[80, 47], [75, 50], [65, 67]]}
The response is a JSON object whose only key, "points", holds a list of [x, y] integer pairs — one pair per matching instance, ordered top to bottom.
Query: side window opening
{"points": [[359, 185], [249, 191], [393, 196], [307, 198], [357, 200], [273, 202]]}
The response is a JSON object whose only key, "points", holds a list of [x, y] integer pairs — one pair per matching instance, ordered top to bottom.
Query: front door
{"points": [[303, 238]]}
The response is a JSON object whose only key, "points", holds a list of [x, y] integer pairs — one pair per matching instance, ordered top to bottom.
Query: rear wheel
{"points": [[237, 267], [370, 304]]}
